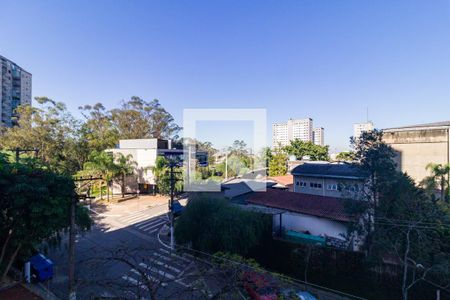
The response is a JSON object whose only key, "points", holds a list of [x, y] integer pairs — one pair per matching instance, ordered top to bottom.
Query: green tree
{"points": [[137, 118], [98, 129], [52, 130], [208, 148], [239, 148], [300, 149], [265, 156], [345, 156], [278, 163], [101, 164], [123, 166], [161, 172], [439, 177], [34, 204], [395, 215], [214, 225]]}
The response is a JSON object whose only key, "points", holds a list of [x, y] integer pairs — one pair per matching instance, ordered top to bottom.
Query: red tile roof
{"points": [[286, 180], [321, 206]]}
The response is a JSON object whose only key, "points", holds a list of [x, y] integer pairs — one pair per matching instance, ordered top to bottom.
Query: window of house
{"points": [[315, 185], [332, 187]]}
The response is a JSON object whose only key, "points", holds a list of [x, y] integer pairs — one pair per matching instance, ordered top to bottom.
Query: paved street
{"points": [[123, 256]]}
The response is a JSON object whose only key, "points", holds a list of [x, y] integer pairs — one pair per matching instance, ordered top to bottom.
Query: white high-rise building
{"points": [[15, 90], [359, 128], [283, 133], [318, 136]]}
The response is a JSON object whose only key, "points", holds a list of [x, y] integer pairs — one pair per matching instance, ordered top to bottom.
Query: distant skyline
{"points": [[328, 60]]}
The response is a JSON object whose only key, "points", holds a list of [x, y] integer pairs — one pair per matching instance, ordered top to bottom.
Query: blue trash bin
{"points": [[41, 267]]}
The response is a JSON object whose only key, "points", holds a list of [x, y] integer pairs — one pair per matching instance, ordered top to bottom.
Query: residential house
{"points": [[332, 179], [315, 210], [311, 215]]}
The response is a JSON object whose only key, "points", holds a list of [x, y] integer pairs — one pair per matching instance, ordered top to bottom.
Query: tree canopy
{"points": [[137, 119], [50, 129], [64, 143], [300, 149], [345, 156], [278, 163], [35, 206], [400, 220], [214, 225]]}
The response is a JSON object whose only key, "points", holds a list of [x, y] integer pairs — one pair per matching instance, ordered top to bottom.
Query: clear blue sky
{"points": [[328, 60]]}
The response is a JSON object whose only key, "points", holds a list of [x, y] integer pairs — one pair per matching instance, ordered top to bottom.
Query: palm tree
{"points": [[101, 164], [123, 166], [439, 173]]}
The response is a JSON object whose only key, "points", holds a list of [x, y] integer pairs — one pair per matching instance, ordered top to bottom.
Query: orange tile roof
{"points": [[284, 179]]}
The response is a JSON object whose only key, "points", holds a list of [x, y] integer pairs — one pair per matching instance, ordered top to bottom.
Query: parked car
{"points": [[259, 286], [292, 294], [305, 296]]}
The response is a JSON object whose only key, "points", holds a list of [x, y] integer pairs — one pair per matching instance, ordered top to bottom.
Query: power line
{"points": [[261, 269]]}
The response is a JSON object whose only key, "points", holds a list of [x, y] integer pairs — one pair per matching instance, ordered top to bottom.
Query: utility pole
{"points": [[226, 165], [173, 180], [172, 192], [72, 234]]}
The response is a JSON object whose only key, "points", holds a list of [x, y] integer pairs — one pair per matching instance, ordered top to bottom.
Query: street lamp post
{"points": [[226, 165], [173, 180], [172, 192]]}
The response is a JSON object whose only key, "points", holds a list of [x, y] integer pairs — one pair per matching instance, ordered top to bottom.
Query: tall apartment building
{"points": [[15, 90], [359, 128], [283, 133], [318, 136]]}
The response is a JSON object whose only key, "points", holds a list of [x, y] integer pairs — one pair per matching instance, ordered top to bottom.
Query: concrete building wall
{"points": [[25, 88], [15, 90], [359, 128], [283, 133], [280, 134], [319, 136], [143, 143], [416, 148], [145, 160], [328, 187], [314, 225]]}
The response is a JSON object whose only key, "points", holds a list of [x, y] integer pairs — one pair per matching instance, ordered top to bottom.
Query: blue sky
{"points": [[328, 60]]}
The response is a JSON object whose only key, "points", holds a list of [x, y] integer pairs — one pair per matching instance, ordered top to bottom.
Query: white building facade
{"points": [[15, 90], [359, 128], [283, 133], [319, 136], [143, 154]]}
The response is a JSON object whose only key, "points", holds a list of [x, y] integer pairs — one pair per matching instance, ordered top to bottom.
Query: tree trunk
{"points": [[123, 185], [442, 188], [101, 190], [107, 190], [5, 245], [308, 257], [11, 260], [405, 266]]}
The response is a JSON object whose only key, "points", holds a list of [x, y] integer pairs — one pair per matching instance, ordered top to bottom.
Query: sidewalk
{"points": [[129, 206]]}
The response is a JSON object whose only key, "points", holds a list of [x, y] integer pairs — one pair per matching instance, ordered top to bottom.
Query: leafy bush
{"points": [[213, 225]]}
